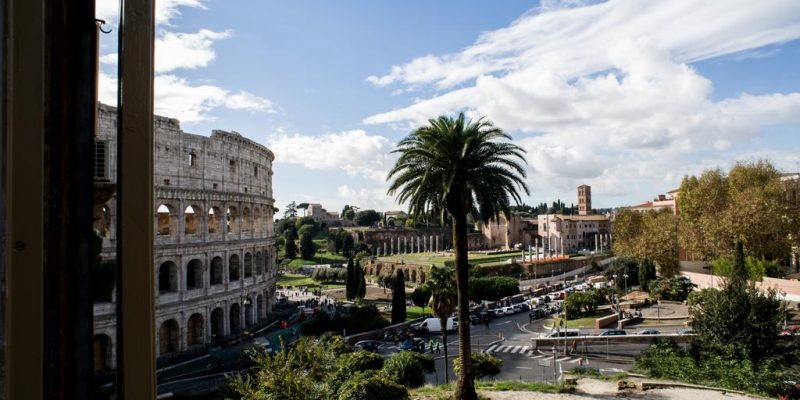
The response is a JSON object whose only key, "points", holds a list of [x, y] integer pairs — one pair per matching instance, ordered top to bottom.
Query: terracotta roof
{"points": [[647, 204]]}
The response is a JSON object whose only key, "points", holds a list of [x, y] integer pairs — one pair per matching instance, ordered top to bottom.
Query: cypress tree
{"points": [[291, 247], [350, 281], [362, 281], [399, 298]]}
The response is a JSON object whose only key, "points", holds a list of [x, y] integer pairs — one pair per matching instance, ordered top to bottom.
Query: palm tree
{"points": [[466, 169], [443, 302]]}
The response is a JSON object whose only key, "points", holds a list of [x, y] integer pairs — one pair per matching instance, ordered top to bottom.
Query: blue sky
{"points": [[626, 96]]}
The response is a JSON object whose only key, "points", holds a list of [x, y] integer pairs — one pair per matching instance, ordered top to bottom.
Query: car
{"points": [[523, 306], [537, 313], [685, 331], [569, 332], [614, 332], [649, 332], [264, 342], [412, 344], [368, 345]]}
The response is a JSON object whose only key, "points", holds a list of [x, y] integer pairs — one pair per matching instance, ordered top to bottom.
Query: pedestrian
{"points": [[486, 321], [430, 345], [437, 347]]}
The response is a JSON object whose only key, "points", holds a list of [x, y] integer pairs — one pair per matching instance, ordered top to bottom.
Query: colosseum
{"points": [[215, 251]]}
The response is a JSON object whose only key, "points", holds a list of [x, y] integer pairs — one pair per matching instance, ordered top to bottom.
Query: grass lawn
{"points": [[319, 258], [439, 260], [295, 280], [412, 312], [586, 321], [444, 391]]}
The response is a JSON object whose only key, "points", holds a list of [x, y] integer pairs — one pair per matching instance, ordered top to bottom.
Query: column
{"points": [[561, 245]]}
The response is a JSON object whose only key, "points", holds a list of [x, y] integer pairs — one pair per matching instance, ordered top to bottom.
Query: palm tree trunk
{"points": [[443, 321], [465, 388]]}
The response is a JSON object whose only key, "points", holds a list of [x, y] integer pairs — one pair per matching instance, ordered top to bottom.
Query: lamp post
{"points": [[626, 282], [785, 307]]}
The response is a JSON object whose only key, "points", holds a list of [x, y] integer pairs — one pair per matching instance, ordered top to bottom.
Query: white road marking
{"points": [[503, 323], [491, 348], [525, 348], [501, 349], [515, 349], [540, 356], [563, 359], [523, 367]]}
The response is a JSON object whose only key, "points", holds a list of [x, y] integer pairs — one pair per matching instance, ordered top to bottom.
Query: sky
{"points": [[625, 96]]}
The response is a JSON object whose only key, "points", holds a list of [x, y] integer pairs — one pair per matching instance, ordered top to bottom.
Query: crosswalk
{"points": [[528, 351]]}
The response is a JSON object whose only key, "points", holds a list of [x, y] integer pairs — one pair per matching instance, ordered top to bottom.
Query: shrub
{"points": [[492, 288], [361, 319], [353, 363], [482, 365], [408, 368], [372, 386]]}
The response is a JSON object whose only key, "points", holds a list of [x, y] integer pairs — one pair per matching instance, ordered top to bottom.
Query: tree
{"points": [[466, 168], [748, 204], [302, 206], [291, 211], [367, 218], [652, 235], [290, 236], [347, 245], [307, 246], [647, 274], [351, 280], [492, 288], [361, 290], [421, 296], [399, 298], [444, 299], [737, 321], [484, 365]]}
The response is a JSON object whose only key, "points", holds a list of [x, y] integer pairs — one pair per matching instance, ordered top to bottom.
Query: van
{"points": [[433, 325], [569, 332]]}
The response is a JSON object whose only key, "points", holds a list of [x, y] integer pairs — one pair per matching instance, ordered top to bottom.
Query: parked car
{"points": [[523, 306], [537, 313], [685, 331], [569, 332], [614, 332], [649, 332], [264, 342], [412, 344], [368, 345]]}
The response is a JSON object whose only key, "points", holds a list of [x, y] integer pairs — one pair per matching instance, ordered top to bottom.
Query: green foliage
{"points": [[749, 204], [291, 211], [348, 213], [367, 218], [312, 225], [290, 235], [648, 236], [347, 245], [307, 246], [620, 267], [756, 268], [647, 274], [327, 275], [361, 282], [351, 285], [492, 288], [673, 289], [421, 296], [399, 298], [580, 303], [360, 319], [351, 364], [483, 365], [408, 368], [372, 386]]}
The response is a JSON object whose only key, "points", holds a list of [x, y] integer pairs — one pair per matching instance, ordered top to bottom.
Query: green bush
{"points": [[492, 288], [361, 319], [349, 365], [482, 365], [409, 368], [372, 386]]}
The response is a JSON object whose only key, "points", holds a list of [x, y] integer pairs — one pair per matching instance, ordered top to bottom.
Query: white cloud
{"points": [[166, 10], [186, 50], [605, 94], [177, 98], [355, 152], [375, 199]]}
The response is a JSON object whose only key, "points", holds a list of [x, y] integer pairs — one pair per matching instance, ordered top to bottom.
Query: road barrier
{"points": [[627, 339]]}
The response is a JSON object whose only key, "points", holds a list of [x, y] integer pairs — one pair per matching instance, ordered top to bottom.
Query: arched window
{"points": [[165, 214], [232, 219], [256, 219], [191, 220], [213, 220], [247, 223], [259, 263], [248, 265], [233, 268], [216, 271], [194, 274], [168, 277], [260, 307], [248, 312], [235, 319], [218, 322], [194, 330], [169, 337], [102, 353]]}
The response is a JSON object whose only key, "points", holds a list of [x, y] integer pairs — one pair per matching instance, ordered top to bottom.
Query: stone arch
{"points": [[232, 218], [191, 219], [213, 219], [257, 219], [166, 220], [103, 221], [247, 222], [259, 263], [248, 265], [233, 268], [217, 271], [194, 274], [414, 275], [167, 277], [422, 277], [260, 310], [248, 311], [235, 317], [218, 322], [194, 330], [169, 340], [102, 353]]}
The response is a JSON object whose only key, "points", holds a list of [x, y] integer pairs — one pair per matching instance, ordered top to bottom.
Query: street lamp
{"points": [[626, 282], [785, 307]]}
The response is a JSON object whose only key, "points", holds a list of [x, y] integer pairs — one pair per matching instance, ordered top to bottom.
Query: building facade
{"points": [[584, 200], [320, 214], [571, 233], [214, 263]]}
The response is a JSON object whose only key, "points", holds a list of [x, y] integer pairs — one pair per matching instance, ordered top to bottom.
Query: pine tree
{"points": [[307, 246], [291, 247], [350, 281], [362, 281], [399, 298]]}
